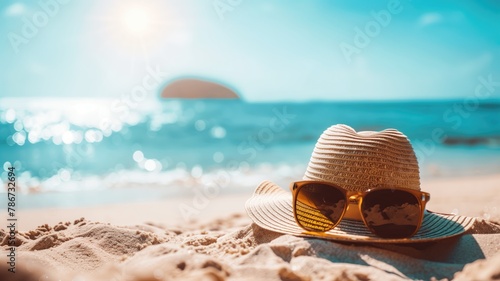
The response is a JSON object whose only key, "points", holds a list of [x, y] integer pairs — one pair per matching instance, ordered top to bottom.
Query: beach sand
{"points": [[151, 241]]}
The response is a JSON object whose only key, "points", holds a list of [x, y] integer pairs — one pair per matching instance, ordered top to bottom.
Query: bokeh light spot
{"points": [[10, 115], [200, 125], [218, 132], [138, 156], [218, 157], [150, 165], [196, 171]]}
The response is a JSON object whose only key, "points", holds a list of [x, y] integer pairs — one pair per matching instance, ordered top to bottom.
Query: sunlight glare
{"points": [[136, 20]]}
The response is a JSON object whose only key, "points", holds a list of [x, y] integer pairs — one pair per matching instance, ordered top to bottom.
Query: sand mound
{"points": [[233, 248]]}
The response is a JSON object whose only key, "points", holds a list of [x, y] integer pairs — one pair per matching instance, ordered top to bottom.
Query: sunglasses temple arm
{"points": [[426, 196]]}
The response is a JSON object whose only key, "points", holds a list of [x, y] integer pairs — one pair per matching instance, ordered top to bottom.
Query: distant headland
{"points": [[197, 88]]}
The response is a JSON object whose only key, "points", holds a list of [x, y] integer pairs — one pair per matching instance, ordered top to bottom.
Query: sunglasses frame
{"points": [[357, 198]]}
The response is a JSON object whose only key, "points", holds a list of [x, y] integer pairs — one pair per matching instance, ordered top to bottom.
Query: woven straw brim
{"points": [[270, 207]]}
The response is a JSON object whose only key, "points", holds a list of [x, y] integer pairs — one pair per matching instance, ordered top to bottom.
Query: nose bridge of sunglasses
{"points": [[352, 211]]}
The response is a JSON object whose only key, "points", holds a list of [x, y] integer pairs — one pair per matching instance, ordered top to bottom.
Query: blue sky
{"points": [[267, 50]]}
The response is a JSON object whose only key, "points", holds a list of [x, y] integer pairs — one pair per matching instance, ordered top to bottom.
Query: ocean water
{"points": [[66, 150]]}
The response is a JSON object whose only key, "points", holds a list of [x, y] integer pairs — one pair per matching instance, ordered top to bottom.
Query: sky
{"points": [[267, 50]]}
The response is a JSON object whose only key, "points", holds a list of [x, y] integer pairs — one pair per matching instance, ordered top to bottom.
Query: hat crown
{"points": [[358, 161]]}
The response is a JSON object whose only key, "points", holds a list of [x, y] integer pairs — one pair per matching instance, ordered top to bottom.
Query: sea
{"points": [[87, 152]]}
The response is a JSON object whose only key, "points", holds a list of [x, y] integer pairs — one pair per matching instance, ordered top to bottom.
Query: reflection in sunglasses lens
{"points": [[319, 207], [391, 213]]}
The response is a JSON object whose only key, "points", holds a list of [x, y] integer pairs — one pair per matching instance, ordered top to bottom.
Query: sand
{"points": [[149, 241]]}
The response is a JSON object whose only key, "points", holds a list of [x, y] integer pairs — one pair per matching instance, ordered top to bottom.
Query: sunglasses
{"points": [[387, 212]]}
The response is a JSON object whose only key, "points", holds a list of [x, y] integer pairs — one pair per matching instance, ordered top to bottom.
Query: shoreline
{"points": [[448, 195]]}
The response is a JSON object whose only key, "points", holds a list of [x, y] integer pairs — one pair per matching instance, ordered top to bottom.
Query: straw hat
{"points": [[356, 161]]}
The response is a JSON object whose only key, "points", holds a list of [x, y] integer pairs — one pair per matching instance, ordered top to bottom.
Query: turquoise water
{"points": [[78, 146]]}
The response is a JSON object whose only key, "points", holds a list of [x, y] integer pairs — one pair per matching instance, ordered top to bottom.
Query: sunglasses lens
{"points": [[319, 207], [391, 213]]}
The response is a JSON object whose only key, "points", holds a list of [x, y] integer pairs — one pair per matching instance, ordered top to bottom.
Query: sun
{"points": [[136, 20], [136, 29]]}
